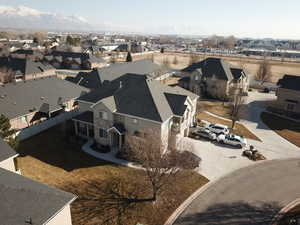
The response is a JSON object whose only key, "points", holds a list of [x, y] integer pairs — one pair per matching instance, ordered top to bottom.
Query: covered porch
{"points": [[84, 125], [116, 136]]}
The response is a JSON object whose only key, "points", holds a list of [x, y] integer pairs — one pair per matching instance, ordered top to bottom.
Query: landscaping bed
{"points": [[239, 129], [287, 129], [50, 159]]}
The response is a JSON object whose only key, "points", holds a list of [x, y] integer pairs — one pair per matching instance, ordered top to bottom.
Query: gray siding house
{"points": [[133, 105]]}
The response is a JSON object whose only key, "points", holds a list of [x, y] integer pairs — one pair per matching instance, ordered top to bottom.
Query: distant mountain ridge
{"points": [[22, 17]]}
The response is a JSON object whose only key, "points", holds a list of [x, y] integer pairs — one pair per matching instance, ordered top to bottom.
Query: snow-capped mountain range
{"points": [[27, 18]]}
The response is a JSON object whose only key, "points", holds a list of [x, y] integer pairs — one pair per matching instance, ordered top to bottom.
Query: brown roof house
{"points": [[214, 77]]}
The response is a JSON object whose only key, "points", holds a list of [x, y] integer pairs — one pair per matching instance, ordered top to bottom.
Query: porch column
{"points": [[76, 127], [87, 130], [120, 141]]}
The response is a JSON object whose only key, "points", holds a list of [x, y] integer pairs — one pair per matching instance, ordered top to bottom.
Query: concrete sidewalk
{"points": [[110, 156]]}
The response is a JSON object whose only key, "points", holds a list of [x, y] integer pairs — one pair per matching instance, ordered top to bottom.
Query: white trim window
{"points": [[103, 115], [135, 121], [103, 133]]}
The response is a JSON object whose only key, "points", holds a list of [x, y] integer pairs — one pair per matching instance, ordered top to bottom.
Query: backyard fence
{"points": [[38, 128]]}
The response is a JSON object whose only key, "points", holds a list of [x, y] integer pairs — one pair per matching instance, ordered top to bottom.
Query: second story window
{"points": [[103, 115]]}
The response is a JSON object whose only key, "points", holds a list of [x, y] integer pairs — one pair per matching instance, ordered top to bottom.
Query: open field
{"points": [[278, 68], [285, 128], [239, 129], [49, 159]]}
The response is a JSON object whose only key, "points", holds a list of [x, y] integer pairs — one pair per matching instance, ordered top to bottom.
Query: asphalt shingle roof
{"points": [[24, 66], [214, 66], [96, 78], [291, 82], [135, 95], [17, 99], [87, 116], [5, 150], [22, 199]]}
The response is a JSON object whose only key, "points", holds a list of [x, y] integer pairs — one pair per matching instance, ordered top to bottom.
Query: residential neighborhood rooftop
{"points": [[96, 78], [290, 82], [136, 95], [21, 98], [6, 151], [23, 200]]}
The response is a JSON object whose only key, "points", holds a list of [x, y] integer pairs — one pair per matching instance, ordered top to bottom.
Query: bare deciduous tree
{"points": [[193, 58], [175, 60], [166, 62], [264, 71], [237, 101]]}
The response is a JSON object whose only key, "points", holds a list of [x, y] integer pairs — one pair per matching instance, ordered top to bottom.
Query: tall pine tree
{"points": [[129, 57], [6, 132]]}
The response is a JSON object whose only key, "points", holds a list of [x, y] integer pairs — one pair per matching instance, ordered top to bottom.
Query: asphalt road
{"points": [[249, 196]]}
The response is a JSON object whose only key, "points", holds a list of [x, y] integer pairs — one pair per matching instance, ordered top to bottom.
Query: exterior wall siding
{"points": [[286, 94], [8, 164], [62, 218]]}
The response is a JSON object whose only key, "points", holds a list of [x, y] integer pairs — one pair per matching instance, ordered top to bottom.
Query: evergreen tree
{"points": [[162, 50], [129, 57], [6, 132]]}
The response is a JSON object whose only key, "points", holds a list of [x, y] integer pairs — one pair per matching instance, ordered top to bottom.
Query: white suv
{"points": [[218, 128], [232, 139]]}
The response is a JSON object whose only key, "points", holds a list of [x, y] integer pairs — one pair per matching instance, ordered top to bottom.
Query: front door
{"points": [[115, 140]]}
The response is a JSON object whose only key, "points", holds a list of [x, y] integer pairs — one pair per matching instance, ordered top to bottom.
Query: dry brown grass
{"points": [[171, 81], [215, 107], [285, 128], [239, 129], [49, 159]]}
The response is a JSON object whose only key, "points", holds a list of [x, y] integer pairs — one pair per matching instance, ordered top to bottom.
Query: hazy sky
{"points": [[252, 18]]}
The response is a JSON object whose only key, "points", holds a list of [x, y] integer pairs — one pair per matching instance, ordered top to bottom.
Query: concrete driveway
{"points": [[219, 160], [249, 196]]}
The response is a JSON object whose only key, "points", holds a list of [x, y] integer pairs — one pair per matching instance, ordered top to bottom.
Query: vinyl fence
{"points": [[38, 128]]}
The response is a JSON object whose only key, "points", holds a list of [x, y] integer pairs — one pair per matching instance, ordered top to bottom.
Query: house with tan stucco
{"points": [[214, 77], [288, 96], [32, 102], [134, 105], [24, 201]]}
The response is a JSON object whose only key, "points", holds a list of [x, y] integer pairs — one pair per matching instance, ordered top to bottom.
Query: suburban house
{"points": [[27, 54], [73, 60], [18, 69], [101, 76], [214, 78], [288, 95], [30, 102], [134, 105], [7, 157]]}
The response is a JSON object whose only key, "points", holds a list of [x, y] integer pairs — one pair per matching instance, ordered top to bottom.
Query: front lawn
{"points": [[216, 107], [239, 129], [287, 129], [49, 159]]}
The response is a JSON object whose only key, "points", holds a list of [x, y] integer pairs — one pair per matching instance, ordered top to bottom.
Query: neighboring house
{"points": [[27, 54], [73, 60], [18, 69], [101, 76], [214, 77], [288, 95], [29, 102], [135, 105], [7, 157], [24, 201]]}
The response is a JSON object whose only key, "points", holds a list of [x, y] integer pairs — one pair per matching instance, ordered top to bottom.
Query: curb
{"points": [[199, 191], [284, 210]]}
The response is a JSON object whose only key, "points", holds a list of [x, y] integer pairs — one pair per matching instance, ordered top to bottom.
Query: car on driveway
{"points": [[218, 128], [204, 132], [232, 139]]}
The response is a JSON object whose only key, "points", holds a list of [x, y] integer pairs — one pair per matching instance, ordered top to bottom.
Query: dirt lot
{"points": [[278, 69], [216, 107], [286, 128], [239, 129], [49, 159]]}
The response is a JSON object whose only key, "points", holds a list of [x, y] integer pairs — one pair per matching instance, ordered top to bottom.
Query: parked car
{"points": [[218, 128], [204, 132], [232, 139]]}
